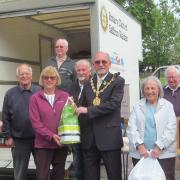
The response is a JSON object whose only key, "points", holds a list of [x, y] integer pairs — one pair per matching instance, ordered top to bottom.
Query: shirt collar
{"points": [[61, 59], [101, 78], [80, 85], [166, 87], [22, 89]]}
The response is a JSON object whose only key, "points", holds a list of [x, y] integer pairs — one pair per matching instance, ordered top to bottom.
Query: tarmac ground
{"points": [[6, 167]]}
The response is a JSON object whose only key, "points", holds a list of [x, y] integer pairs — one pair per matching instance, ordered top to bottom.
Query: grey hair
{"points": [[65, 42], [105, 53], [85, 62], [19, 67], [174, 68], [157, 81]]}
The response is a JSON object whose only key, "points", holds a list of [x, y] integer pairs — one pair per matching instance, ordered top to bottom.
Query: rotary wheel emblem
{"points": [[104, 19]]}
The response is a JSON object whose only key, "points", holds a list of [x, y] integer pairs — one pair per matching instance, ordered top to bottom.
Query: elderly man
{"points": [[64, 64], [83, 71], [172, 90], [17, 129], [100, 131]]}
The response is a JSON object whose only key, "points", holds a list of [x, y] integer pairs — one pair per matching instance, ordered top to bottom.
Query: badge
{"points": [[96, 101]]}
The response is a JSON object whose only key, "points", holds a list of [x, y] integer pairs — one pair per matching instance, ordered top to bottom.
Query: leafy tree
{"points": [[142, 11], [159, 29], [160, 42], [175, 51]]}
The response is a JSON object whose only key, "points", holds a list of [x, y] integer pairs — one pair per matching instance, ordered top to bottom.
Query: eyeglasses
{"points": [[59, 47], [98, 62], [24, 74], [171, 77], [52, 78]]}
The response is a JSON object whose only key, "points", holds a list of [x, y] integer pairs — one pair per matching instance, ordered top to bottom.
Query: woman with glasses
{"points": [[45, 112]]}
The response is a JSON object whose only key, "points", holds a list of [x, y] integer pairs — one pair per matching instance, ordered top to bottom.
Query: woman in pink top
{"points": [[45, 111]]}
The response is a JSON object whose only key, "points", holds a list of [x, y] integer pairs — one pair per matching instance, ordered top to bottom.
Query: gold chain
{"points": [[97, 100]]}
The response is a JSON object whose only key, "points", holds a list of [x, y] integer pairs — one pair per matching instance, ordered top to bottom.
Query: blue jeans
{"points": [[21, 153], [78, 161]]}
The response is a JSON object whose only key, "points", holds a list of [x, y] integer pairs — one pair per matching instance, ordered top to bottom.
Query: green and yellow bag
{"points": [[69, 129]]}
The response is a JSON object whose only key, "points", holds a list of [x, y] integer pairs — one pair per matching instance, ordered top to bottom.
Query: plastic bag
{"points": [[69, 129], [147, 169]]}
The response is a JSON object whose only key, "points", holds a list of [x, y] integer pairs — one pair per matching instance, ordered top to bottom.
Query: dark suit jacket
{"points": [[74, 91], [103, 122]]}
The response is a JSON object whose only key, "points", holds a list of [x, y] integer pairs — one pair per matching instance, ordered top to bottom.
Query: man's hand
{"points": [[81, 110], [56, 139], [9, 142]]}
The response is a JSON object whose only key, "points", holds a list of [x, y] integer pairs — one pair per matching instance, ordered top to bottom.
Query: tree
{"points": [[142, 11], [159, 29], [160, 43], [175, 51]]}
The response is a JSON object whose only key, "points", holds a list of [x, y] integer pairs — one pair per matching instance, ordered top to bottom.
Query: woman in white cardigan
{"points": [[152, 126]]}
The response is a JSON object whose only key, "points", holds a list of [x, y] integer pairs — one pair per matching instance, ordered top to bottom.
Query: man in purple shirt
{"points": [[172, 89]]}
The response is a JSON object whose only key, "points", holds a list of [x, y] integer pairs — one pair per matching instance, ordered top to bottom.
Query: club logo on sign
{"points": [[104, 18]]}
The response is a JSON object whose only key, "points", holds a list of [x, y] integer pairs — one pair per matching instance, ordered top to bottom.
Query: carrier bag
{"points": [[69, 130], [147, 169]]}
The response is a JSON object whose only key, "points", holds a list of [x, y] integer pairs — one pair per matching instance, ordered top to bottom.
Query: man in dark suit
{"points": [[83, 71], [100, 131]]}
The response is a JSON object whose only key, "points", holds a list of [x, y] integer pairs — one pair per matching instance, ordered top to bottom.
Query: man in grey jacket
{"points": [[64, 64]]}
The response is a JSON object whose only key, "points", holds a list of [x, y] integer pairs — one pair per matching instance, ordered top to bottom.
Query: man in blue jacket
{"points": [[17, 129]]}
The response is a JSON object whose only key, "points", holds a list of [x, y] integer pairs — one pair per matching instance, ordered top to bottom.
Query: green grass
{"points": [[162, 78]]}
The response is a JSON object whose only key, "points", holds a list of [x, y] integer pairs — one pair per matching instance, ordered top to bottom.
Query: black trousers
{"points": [[21, 153], [111, 159], [78, 161], [168, 166]]}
